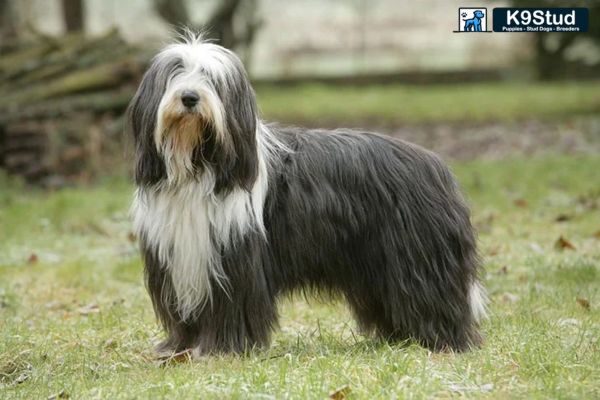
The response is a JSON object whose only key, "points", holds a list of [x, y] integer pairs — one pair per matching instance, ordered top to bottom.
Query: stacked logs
{"points": [[61, 105]]}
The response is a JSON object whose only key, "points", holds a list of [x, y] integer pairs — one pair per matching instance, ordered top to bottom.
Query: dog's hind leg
{"points": [[438, 302], [369, 314], [439, 314]]}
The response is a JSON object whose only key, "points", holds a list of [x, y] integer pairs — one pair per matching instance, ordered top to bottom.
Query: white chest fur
{"points": [[188, 225]]}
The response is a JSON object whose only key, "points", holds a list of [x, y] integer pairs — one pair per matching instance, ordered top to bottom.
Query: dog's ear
{"points": [[241, 114], [142, 119]]}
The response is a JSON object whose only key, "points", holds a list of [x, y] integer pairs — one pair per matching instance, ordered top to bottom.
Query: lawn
{"points": [[394, 104], [75, 319]]}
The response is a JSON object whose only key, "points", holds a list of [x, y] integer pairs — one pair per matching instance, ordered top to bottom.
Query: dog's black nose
{"points": [[189, 98]]}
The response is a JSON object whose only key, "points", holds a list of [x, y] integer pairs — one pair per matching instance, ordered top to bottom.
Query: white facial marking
{"points": [[204, 65]]}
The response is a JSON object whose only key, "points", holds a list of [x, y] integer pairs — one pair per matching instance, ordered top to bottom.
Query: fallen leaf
{"points": [[589, 202], [521, 203], [563, 218], [484, 225], [98, 228], [597, 234], [131, 237], [562, 244], [494, 251], [32, 259], [503, 270], [510, 298], [583, 303], [89, 309], [175, 358], [340, 393], [60, 395]]}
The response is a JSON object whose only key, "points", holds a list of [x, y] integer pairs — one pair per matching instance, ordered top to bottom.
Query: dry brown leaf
{"points": [[589, 202], [521, 203], [563, 218], [484, 225], [597, 234], [131, 237], [563, 244], [494, 251], [32, 259], [503, 270], [585, 303], [89, 309], [175, 358], [340, 393]]}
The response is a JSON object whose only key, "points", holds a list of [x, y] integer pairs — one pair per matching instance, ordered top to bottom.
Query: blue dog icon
{"points": [[474, 24]]}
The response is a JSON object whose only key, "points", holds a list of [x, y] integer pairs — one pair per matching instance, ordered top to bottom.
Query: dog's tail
{"points": [[478, 300]]}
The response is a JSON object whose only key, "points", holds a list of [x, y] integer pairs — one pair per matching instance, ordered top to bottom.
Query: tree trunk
{"points": [[73, 15], [8, 26], [219, 26], [551, 63]]}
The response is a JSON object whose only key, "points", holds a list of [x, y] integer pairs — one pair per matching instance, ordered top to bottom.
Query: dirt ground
{"points": [[499, 140]]}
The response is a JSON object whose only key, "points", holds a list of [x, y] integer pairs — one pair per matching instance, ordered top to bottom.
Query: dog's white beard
{"points": [[179, 165], [187, 224]]}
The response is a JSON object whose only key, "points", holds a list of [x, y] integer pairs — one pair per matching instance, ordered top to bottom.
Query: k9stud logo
{"points": [[472, 19], [540, 19]]}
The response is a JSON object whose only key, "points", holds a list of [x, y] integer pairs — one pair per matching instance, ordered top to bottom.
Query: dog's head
{"points": [[478, 14], [195, 115]]}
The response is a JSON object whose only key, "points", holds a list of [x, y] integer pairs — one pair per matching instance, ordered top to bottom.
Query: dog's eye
{"points": [[177, 69]]}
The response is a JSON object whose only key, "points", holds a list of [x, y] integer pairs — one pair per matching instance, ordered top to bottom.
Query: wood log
{"points": [[73, 53], [102, 76], [97, 103], [61, 105], [23, 151]]}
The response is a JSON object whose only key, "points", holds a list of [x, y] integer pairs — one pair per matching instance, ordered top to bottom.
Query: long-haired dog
{"points": [[232, 213]]}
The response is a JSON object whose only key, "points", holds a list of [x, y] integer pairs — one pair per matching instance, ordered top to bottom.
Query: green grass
{"points": [[395, 104], [78, 319]]}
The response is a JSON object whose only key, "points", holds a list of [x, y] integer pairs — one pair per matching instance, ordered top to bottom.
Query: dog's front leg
{"points": [[242, 313], [239, 316]]}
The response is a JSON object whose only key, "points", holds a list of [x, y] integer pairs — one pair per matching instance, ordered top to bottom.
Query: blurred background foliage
{"points": [[69, 67]]}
